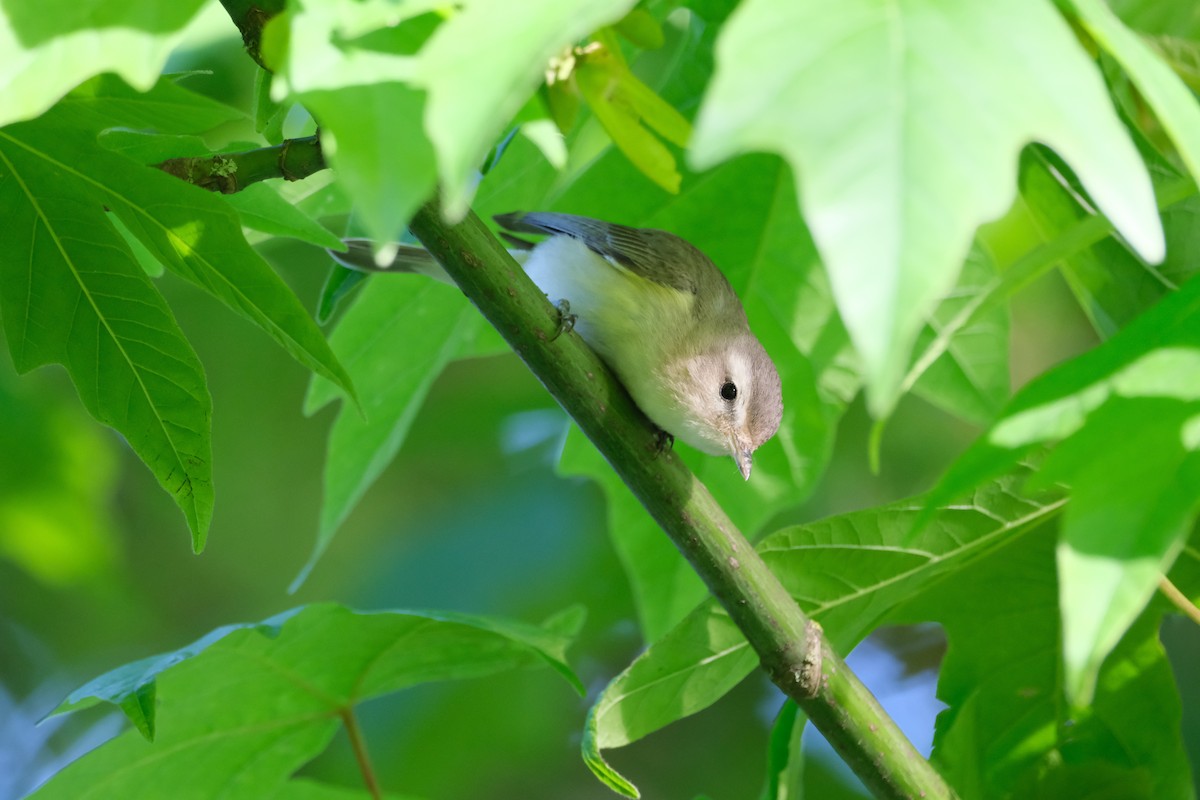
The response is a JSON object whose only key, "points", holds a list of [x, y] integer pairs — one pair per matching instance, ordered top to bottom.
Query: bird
{"points": [[656, 309]]}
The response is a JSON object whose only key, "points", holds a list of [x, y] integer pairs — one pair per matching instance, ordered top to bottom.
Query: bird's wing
{"points": [[655, 255]]}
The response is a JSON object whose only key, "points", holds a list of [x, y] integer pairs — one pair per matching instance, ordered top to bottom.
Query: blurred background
{"points": [[96, 567]]}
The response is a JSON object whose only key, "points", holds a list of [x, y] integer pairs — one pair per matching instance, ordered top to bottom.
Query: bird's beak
{"points": [[741, 457]]}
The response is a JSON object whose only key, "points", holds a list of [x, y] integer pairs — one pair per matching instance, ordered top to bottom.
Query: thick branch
{"points": [[231, 172], [793, 650]]}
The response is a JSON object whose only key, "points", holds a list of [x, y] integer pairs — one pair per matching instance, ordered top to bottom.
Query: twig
{"points": [[227, 173], [1179, 599]]}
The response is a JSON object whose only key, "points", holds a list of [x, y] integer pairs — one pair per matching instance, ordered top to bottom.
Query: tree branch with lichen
{"points": [[227, 173]]}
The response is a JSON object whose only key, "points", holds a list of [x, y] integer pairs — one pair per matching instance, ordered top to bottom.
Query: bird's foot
{"points": [[566, 320], [663, 442]]}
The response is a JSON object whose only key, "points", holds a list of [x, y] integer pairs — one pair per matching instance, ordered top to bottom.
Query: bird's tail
{"points": [[359, 255]]}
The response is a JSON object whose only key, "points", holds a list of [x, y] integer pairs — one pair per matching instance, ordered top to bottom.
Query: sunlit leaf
{"points": [[45, 51], [472, 98], [863, 98], [1174, 104], [629, 111], [1113, 285], [971, 378], [1134, 401], [1007, 732]]}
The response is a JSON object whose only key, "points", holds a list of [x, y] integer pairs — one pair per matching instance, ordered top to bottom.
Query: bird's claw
{"points": [[566, 320], [663, 442]]}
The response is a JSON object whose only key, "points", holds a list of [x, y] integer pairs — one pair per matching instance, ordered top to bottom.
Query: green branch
{"points": [[227, 173], [792, 649]]}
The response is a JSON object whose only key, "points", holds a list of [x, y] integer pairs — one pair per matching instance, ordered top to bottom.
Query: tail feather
{"points": [[359, 255]]}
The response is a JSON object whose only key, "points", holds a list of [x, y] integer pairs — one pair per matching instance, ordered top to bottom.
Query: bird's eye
{"points": [[728, 391]]}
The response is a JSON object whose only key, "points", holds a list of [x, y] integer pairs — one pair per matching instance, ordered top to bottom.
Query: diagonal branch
{"points": [[792, 649]]}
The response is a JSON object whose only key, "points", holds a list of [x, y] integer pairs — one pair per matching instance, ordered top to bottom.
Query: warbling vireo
{"points": [[658, 312]]}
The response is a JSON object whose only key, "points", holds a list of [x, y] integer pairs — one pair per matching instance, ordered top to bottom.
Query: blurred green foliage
{"points": [[450, 494]]}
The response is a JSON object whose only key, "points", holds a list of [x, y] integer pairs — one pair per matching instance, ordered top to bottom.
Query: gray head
{"points": [[733, 399]]}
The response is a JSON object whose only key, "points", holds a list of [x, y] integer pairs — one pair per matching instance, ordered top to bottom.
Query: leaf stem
{"points": [[1179, 599], [792, 649], [359, 745]]}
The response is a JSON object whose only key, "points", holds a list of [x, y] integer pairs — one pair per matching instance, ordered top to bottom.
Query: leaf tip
{"points": [[590, 750]]}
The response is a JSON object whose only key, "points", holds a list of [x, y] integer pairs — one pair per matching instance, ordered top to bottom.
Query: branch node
{"points": [[282, 161], [812, 662]]}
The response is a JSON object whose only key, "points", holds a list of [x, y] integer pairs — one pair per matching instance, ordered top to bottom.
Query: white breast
{"points": [[634, 324]]}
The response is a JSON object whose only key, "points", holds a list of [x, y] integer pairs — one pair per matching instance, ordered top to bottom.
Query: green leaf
{"points": [[1157, 18], [641, 28], [47, 48], [1181, 55], [472, 98], [861, 98], [364, 101], [1172, 101], [164, 106], [628, 110], [269, 115], [152, 148], [378, 151], [1177, 199], [260, 207], [187, 230], [190, 231], [144, 257], [338, 285], [1113, 285], [73, 294], [395, 340], [971, 377], [1127, 411], [1133, 500], [847, 572], [245, 706], [1006, 732], [590, 751], [785, 762], [302, 789]]}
